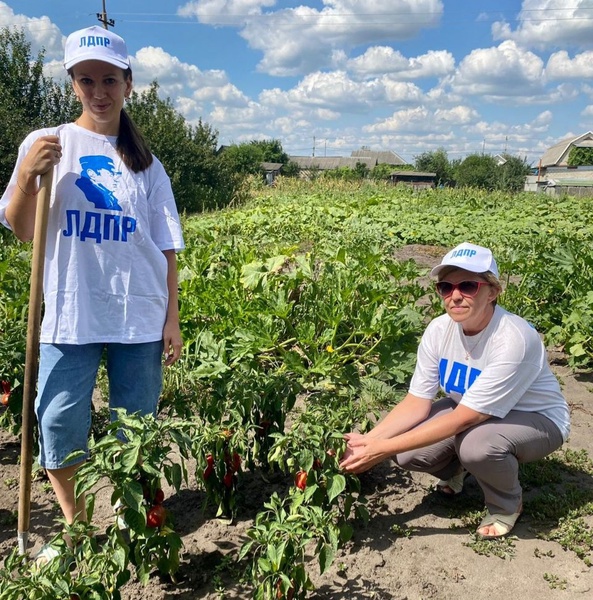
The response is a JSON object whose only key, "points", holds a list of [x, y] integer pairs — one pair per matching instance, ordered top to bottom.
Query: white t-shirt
{"points": [[105, 277], [505, 369]]}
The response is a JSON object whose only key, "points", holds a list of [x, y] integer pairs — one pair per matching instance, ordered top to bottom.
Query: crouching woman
{"points": [[501, 404]]}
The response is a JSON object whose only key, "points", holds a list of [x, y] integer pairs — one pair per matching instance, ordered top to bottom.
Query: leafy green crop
{"points": [[300, 324]]}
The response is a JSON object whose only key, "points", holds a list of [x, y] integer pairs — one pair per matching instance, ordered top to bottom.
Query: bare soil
{"points": [[415, 546]]}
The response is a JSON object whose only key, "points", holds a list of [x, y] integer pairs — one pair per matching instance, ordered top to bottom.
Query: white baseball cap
{"points": [[96, 43], [470, 258]]}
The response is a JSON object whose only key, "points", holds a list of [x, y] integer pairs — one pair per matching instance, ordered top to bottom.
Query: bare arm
{"points": [[45, 152], [171, 332], [405, 415], [364, 452]]}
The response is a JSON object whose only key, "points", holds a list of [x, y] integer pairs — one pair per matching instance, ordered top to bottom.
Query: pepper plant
{"points": [[14, 302], [135, 470], [278, 542], [84, 569]]}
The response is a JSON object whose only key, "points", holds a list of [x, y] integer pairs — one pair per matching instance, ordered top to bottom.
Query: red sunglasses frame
{"points": [[457, 286]]}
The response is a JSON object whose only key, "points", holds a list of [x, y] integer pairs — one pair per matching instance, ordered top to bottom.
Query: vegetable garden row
{"points": [[299, 325]]}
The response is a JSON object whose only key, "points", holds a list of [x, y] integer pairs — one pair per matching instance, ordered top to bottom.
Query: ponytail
{"points": [[131, 145]]}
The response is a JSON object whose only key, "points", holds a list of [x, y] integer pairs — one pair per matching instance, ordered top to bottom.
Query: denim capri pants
{"points": [[67, 376]]}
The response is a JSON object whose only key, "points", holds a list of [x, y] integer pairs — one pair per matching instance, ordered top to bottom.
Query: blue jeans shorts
{"points": [[67, 375]]}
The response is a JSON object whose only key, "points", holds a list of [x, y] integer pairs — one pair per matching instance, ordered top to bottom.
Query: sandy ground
{"points": [[415, 546]]}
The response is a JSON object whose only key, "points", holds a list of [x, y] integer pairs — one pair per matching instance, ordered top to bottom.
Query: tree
{"points": [[28, 100], [60, 104], [272, 151], [247, 157], [580, 157], [244, 158], [436, 162], [291, 169], [361, 170], [477, 170], [382, 171], [343, 173], [512, 173], [200, 179]]}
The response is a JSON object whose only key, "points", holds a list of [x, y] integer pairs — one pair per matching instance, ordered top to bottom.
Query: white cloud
{"points": [[223, 12], [546, 23], [40, 31], [299, 40], [384, 59], [561, 66], [55, 69], [503, 71], [177, 78], [357, 87], [587, 89], [330, 91], [400, 92], [196, 94], [227, 94], [561, 94], [335, 95], [441, 95], [191, 110], [458, 115], [412, 119], [422, 119], [543, 120], [243, 123], [286, 125], [459, 129], [496, 130], [520, 139]]}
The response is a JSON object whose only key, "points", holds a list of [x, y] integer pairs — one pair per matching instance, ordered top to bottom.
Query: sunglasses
{"points": [[469, 289]]}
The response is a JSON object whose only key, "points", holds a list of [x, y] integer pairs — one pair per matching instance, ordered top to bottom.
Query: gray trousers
{"points": [[490, 451]]}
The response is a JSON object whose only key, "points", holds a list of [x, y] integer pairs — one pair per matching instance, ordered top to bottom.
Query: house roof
{"points": [[584, 144], [554, 156], [380, 157], [325, 163], [270, 166], [412, 174], [570, 182]]}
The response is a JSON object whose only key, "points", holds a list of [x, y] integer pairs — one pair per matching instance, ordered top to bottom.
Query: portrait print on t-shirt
{"points": [[98, 181]]}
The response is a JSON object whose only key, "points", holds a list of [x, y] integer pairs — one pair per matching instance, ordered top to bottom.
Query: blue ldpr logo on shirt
{"points": [[98, 182], [458, 378]]}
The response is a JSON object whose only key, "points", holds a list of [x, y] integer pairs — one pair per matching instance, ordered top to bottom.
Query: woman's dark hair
{"points": [[130, 144]]}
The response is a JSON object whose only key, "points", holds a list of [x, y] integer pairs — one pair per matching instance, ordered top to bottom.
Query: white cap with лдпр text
{"points": [[96, 43], [468, 257]]}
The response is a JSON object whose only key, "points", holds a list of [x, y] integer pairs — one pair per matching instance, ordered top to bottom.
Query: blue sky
{"points": [[330, 76]]}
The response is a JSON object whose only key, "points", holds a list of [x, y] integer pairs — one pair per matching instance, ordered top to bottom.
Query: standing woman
{"points": [[110, 282], [500, 404]]}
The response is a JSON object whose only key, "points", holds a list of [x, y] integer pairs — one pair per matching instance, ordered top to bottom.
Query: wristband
{"points": [[24, 191]]}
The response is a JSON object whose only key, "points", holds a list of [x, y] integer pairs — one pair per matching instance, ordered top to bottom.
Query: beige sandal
{"points": [[454, 484], [503, 524]]}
